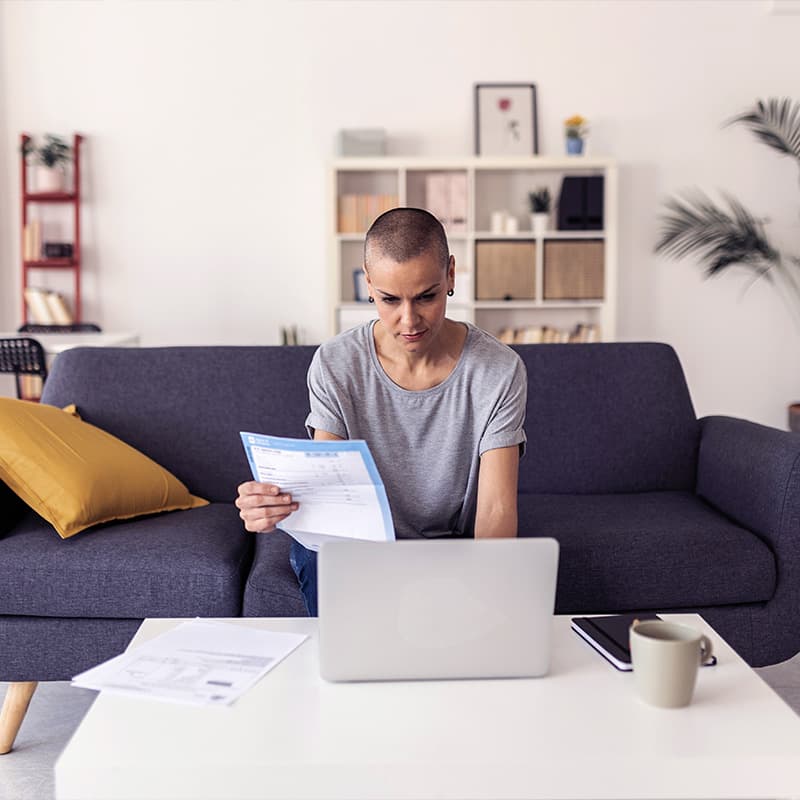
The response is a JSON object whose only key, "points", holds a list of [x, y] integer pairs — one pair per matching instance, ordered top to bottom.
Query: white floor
{"points": [[57, 709]]}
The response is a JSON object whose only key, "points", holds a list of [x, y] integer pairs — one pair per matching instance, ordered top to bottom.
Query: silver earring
{"points": [[451, 292], [370, 299]]}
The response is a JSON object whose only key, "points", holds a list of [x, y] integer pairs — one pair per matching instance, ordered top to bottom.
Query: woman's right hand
{"points": [[262, 506]]}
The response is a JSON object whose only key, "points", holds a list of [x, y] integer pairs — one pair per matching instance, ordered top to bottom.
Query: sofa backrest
{"points": [[184, 406], [601, 418], [605, 418]]}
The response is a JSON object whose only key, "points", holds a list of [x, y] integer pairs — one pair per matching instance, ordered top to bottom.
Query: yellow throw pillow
{"points": [[76, 475]]}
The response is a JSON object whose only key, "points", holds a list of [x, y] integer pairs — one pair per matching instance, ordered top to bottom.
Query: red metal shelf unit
{"points": [[70, 197]]}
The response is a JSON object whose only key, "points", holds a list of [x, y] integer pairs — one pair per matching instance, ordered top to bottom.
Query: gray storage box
{"points": [[362, 142]]}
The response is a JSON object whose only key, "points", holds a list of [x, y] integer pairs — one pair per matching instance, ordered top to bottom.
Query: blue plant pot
{"points": [[574, 146]]}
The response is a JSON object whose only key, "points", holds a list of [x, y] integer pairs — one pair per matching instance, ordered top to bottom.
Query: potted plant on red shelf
{"points": [[50, 159]]}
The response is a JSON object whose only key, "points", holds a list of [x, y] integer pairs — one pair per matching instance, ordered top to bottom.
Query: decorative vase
{"points": [[574, 145], [49, 179], [539, 223], [498, 224]]}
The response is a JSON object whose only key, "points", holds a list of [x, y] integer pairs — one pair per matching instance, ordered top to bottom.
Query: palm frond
{"points": [[775, 122], [720, 238]]}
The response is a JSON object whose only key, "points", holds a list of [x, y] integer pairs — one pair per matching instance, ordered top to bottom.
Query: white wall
{"points": [[210, 125]]}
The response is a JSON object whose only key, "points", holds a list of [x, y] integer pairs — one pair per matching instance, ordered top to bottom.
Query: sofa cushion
{"points": [[606, 418], [75, 475], [655, 550], [183, 564], [272, 589], [57, 649]]}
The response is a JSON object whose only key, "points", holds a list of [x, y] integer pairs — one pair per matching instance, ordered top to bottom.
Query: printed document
{"points": [[337, 486], [197, 662]]}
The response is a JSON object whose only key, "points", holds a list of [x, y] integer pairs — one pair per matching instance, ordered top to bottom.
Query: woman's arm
{"points": [[324, 436], [496, 514]]}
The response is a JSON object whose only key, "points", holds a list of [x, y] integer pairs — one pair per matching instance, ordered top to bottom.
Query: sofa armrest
{"points": [[751, 473]]}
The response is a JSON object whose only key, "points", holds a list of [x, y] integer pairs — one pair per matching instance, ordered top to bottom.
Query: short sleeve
{"points": [[326, 413], [506, 425]]}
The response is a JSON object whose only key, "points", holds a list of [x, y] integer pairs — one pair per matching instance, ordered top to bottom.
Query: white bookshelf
{"points": [[492, 184]]}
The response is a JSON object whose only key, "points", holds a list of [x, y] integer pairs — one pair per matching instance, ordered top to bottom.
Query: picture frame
{"points": [[505, 119]]}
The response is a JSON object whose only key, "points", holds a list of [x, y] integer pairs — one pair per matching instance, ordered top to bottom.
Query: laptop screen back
{"points": [[449, 608]]}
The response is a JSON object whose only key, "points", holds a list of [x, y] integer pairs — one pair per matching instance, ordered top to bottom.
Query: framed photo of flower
{"points": [[505, 119]]}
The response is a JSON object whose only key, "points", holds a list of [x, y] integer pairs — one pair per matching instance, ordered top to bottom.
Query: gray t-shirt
{"points": [[426, 444]]}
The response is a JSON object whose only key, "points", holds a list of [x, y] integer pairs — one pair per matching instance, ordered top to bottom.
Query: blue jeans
{"points": [[304, 564]]}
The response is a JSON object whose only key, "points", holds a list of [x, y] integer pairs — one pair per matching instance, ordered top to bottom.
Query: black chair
{"points": [[75, 327], [23, 356]]}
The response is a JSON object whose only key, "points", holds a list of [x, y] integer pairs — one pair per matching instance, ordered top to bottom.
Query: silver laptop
{"points": [[454, 608]]}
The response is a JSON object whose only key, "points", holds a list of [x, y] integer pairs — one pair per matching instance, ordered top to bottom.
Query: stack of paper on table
{"points": [[197, 662]]}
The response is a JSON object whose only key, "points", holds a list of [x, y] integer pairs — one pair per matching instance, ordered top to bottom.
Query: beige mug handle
{"points": [[706, 650]]}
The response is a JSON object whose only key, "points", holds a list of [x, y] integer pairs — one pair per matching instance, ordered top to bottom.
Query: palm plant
{"points": [[722, 237]]}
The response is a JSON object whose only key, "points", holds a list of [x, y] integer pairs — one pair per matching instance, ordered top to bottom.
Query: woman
{"points": [[440, 403]]}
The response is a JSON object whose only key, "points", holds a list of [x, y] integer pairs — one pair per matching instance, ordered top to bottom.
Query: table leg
{"points": [[18, 696]]}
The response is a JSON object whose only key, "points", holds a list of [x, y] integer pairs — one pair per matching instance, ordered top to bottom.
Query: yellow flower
{"points": [[576, 127]]}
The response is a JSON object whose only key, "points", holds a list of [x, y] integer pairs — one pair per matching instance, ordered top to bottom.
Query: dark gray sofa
{"points": [[654, 509]]}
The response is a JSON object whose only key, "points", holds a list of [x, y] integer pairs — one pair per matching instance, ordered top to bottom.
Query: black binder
{"points": [[580, 203], [610, 636]]}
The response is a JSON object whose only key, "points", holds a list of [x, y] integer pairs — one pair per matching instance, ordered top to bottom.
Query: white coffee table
{"points": [[580, 732]]}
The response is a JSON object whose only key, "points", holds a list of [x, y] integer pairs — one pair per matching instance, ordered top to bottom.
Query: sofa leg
{"points": [[18, 696]]}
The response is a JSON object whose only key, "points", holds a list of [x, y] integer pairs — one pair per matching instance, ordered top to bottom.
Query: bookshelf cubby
{"points": [[557, 279]]}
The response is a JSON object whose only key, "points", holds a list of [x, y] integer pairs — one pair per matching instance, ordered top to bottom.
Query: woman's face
{"points": [[411, 298]]}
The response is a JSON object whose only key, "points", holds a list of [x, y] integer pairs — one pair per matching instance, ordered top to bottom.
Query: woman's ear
{"points": [[370, 298]]}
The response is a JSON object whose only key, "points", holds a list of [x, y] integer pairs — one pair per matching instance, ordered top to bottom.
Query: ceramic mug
{"points": [[665, 657]]}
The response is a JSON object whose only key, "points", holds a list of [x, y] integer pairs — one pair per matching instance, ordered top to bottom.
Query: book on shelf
{"points": [[446, 199], [458, 203], [356, 212], [347, 213], [32, 241], [38, 307], [46, 307], [59, 310], [586, 333], [540, 334], [546, 334], [506, 336], [30, 387]]}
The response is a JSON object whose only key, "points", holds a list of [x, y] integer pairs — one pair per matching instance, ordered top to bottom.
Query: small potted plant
{"points": [[575, 127], [50, 160], [539, 204]]}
